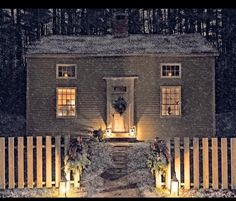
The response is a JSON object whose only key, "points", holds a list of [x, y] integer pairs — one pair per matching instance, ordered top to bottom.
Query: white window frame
{"points": [[172, 64], [65, 65], [180, 102], [66, 117]]}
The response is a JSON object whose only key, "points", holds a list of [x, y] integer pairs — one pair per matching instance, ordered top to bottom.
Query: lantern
{"points": [[132, 131], [108, 132], [174, 186], [64, 187]]}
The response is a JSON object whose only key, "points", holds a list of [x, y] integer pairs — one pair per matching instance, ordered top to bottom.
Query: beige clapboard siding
{"points": [[91, 87], [20, 161], [11, 163], [196, 163], [224, 163], [2, 164]]}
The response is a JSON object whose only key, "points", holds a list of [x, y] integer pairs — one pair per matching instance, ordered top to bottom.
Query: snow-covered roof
{"points": [[183, 44]]}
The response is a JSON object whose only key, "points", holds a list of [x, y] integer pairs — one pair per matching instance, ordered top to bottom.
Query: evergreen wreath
{"points": [[120, 105]]}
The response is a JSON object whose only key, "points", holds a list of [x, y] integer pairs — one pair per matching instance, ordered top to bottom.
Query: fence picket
{"points": [[67, 143], [205, 156], [177, 158], [58, 159], [20, 161], [48, 161], [30, 162], [39, 162], [196, 162], [224, 162], [186, 163], [233, 163], [2, 164], [11, 164], [168, 174], [215, 179]]}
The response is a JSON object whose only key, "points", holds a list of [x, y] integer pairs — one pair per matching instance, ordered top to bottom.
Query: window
{"points": [[171, 70], [66, 71], [170, 101], [66, 102]]}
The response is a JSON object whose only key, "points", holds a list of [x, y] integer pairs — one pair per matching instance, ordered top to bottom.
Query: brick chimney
{"points": [[120, 25]]}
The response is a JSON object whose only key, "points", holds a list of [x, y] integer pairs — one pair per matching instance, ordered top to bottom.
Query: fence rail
{"points": [[202, 163]]}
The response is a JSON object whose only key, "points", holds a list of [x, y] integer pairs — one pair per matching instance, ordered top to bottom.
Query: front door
{"points": [[120, 103]]}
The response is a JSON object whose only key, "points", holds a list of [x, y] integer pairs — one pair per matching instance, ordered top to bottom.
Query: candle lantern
{"points": [[174, 186]]}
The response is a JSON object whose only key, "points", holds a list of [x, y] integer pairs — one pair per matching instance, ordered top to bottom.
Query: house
{"points": [[134, 86]]}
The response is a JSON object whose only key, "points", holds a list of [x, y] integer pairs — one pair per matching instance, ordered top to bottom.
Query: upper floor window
{"points": [[170, 70], [66, 71], [170, 100], [66, 102]]}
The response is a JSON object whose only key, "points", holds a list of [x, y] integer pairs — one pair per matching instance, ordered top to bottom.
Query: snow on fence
{"points": [[33, 161], [201, 163]]}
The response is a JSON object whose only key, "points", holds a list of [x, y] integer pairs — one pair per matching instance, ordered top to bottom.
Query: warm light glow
{"points": [[65, 74], [169, 74], [132, 131], [108, 132], [64, 188], [174, 188]]}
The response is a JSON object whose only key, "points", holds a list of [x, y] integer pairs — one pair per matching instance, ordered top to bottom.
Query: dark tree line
{"points": [[20, 27]]}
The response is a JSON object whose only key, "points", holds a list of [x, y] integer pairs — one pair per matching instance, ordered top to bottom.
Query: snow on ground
{"points": [[11, 124]]}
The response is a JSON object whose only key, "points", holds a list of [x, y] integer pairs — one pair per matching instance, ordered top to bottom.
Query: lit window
{"points": [[171, 70], [66, 71], [171, 101], [66, 102]]}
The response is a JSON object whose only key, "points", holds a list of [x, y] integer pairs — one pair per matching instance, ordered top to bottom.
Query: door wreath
{"points": [[120, 105]]}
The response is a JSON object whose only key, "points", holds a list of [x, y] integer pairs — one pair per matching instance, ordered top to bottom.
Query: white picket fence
{"points": [[37, 161], [202, 163]]}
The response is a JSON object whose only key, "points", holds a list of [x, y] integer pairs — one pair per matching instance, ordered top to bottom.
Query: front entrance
{"points": [[120, 105]]}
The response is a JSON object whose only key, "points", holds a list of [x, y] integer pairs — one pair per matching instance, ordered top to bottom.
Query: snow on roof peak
{"points": [[133, 44]]}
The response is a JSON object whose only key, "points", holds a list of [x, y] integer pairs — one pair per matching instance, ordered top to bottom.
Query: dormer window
{"points": [[170, 70], [66, 71]]}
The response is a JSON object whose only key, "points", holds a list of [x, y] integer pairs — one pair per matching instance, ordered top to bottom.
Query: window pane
{"points": [[66, 71], [66, 102], [170, 104]]}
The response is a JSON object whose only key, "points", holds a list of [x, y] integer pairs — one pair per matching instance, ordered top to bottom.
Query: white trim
{"points": [[172, 64], [64, 65], [120, 78], [180, 111], [66, 117]]}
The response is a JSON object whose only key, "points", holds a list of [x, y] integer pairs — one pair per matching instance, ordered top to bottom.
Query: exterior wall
{"points": [[197, 83]]}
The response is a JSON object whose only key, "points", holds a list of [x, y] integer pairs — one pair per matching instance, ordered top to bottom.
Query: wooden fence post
{"points": [[205, 156], [58, 159], [177, 159], [20, 162], [39, 162], [48, 162], [196, 162], [11, 163], [186, 163], [224, 163], [233, 163], [2, 164], [30, 178], [215, 179]]}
